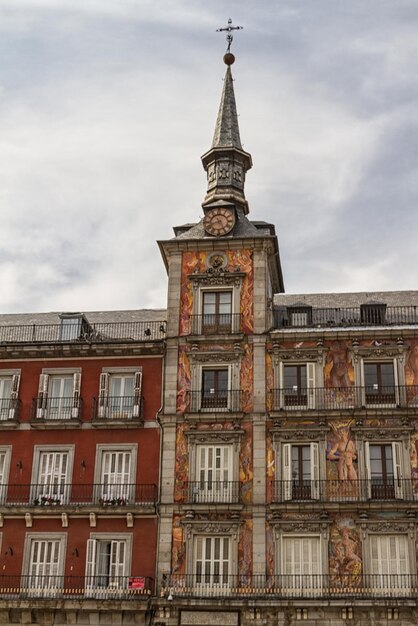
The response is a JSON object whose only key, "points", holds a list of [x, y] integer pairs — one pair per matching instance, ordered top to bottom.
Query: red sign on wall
{"points": [[137, 582]]}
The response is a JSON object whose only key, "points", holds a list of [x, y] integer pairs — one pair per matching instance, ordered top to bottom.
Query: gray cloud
{"points": [[107, 106]]}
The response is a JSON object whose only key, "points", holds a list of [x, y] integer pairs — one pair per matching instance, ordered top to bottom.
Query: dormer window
{"points": [[373, 313], [299, 315], [73, 326]]}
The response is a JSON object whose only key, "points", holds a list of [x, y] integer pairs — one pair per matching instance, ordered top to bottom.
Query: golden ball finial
{"points": [[229, 58]]}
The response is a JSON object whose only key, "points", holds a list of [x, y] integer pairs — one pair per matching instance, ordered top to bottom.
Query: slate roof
{"points": [[243, 229], [347, 300], [94, 317]]}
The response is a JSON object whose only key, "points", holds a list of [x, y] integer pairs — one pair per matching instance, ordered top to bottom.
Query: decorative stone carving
{"points": [[217, 275], [378, 351], [303, 354], [215, 357], [305, 526], [387, 526], [212, 528]]}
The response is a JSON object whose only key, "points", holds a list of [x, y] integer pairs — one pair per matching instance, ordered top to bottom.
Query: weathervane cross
{"points": [[228, 29]]}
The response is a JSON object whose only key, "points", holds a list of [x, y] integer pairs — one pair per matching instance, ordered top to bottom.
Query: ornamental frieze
{"points": [[388, 527], [211, 528]]}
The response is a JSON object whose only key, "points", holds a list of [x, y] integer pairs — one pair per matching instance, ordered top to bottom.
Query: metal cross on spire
{"points": [[228, 29]]}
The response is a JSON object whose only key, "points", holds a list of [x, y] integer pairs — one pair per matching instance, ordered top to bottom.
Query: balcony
{"points": [[366, 315], [215, 324], [119, 332], [337, 398], [214, 401], [118, 408], [49, 409], [9, 410], [366, 490], [213, 492], [66, 494], [76, 587], [293, 587]]}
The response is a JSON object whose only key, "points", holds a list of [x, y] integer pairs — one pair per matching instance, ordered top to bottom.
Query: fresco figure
{"points": [[340, 365], [344, 452], [345, 562]]}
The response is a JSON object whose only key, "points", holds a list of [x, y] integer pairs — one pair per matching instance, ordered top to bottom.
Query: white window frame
{"points": [[235, 306], [313, 359], [233, 366], [310, 386], [44, 393], [363, 399], [103, 408], [9, 412], [286, 456], [399, 467], [4, 476], [38, 490], [125, 491], [377, 530], [200, 543], [91, 573], [43, 589]]}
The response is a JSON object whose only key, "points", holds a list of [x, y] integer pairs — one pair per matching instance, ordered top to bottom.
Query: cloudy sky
{"points": [[107, 105]]}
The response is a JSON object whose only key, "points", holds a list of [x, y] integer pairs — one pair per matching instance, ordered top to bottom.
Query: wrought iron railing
{"points": [[345, 317], [215, 324], [95, 333], [335, 398], [214, 400], [49, 408], [118, 408], [9, 409], [345, 490], [206, 492], [67, 494], [56, 586], [293, 586]]}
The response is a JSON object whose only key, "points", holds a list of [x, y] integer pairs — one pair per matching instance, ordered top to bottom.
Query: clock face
{"points": [[219, 222]]}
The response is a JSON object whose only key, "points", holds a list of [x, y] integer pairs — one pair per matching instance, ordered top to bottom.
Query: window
{"points": [[217, 312], [300, 315], [70, 328], [379, 382], [297, 386], [214, 388], [9, 390], [59, 395], [120, 395], [384, 470], [4, 471], [300, 471], [115, 474], [214, 474], [51, 476], [212, 560], [43, 562], [108, 562], [301, 562], [389, 562]]}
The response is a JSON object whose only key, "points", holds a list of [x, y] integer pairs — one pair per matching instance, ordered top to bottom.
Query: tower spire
{"points": [[226, 163]]}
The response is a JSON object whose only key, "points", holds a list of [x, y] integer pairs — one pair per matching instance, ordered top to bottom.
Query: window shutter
{"points": [[396, 382], [310, 383], [362, 390], [103, 393], [14, 394], [137, 394], [42, 395], [76, 395], [280, 399], [397, 469], [287, 471], [315, 471], [3, 485], [368, 490], [91, 562], [117, 563]]}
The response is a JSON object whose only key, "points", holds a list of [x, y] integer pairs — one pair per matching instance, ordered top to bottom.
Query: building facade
{"points": [[79, 466]]}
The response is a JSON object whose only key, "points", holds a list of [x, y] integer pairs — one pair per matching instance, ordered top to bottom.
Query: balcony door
{"points": [[217, 312], [298, 382], [380, 384], [215, 388], [60, 393], [121, 396], [5, 397], [384, 468], [301, 471], [214, 474], [116, 477], [52, 486], [212, 561], [389, 563], [44, 564], [106, 564], [301, 564]]}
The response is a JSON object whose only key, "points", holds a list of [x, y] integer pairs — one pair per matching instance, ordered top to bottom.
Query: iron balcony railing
{"points": [[303, 317], [215, 324], [119, 332], [335, 398], [216, 400], [49, 408], [118, 408], [9, 409], [364, 490], [213, 491], [67, 494], [293, 586], [78, 587]]}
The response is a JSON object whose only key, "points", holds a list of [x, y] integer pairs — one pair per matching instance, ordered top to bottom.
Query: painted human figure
{"points": [[344, 452]]}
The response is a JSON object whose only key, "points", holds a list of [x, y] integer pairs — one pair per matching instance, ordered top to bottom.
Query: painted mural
{"points": [[237, 260], [338, 369], [411, 374], [183, 379], [246, 379], [269, 382], [341, 452], [181, 464], [246, 464], [271, 471], [245, 552], [270, 555], [345, 560], [178, 565]]}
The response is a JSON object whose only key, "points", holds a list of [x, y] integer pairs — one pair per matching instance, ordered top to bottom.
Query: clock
{"points": [[219, 221]]}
